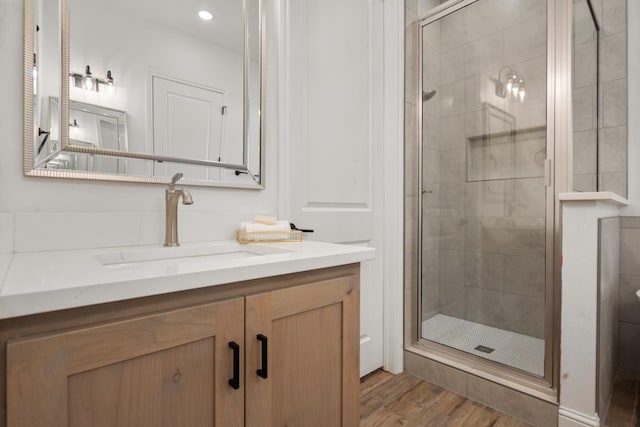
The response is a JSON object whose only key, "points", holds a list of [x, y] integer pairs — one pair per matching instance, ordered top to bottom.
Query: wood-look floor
{"points": [[404, 400], [624, 409]]}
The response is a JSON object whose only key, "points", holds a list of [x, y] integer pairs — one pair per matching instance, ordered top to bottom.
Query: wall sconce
{"points": [[88, 82], [511, 85]]}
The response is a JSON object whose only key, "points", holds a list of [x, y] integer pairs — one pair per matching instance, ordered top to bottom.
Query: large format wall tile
{"points": [[614, 16], [453, 31], [526, 41], [484, 55], [585, 57], [613, 60], [452, 65], [451, 99], [615, 104], [584, 108], [431, 132], [452, 135], [584, 152], [453, 166], [614, 181], [484, 198], [525, 198], [451, 199], [452, 233], [512, 236], [630, 252], [452, 267], [483, 270], [609, 273], [525, 276], [452, 301], [629, 304], [516, 313], [630, 346], [436, 373], [525, 407]]}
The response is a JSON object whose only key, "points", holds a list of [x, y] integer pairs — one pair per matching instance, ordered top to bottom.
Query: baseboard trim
{"points": [[570, 418]]}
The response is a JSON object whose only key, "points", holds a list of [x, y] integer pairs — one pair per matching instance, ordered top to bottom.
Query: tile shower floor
{"points": [[509, 348]]}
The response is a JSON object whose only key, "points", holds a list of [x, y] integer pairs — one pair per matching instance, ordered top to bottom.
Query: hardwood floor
{"points": [[404, 400], [624, 409]]}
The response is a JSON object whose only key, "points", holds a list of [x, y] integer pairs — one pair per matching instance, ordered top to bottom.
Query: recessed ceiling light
{"points": [[205, 15]]}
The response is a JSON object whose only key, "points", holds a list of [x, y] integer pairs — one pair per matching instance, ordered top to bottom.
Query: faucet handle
{"points": [[177, 177]]}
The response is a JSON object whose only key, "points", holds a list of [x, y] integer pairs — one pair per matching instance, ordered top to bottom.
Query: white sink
{"points": [[183, 254]]}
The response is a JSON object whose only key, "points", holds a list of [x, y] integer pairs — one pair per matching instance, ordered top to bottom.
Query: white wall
{"points": [[84, 214]]}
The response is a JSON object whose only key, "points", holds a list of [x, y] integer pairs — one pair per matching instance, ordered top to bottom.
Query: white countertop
{"points": [[39, 282]]}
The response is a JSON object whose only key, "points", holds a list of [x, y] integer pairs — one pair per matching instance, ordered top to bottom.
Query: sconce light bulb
{"points": [[205, 15], [34, 73], [88, 79], [109, 83], [509, 86], [514, 90], [521, 95]]}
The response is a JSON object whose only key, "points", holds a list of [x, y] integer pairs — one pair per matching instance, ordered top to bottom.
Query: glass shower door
{"points": [[484, 193]]}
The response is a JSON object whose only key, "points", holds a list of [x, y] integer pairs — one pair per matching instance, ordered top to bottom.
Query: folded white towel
{"points": [[267, 220], [252, 227]]}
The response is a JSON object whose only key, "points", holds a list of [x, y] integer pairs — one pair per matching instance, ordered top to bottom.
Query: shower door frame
{"points": [[557, 174]]}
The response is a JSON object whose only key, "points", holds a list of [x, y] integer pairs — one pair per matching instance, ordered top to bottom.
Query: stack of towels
{"points": [[267, 228]]}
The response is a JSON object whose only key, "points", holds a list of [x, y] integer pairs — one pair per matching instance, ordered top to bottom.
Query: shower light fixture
{"points": [[91, 83], [510, 86]]}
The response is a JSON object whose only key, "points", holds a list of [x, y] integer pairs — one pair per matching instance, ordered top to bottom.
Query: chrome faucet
{"points": [[172, 195]]}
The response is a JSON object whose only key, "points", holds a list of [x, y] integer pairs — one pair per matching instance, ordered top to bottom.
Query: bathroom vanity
{"points": [[266, 335]]}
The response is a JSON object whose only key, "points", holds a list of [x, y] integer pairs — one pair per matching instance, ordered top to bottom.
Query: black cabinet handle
{"points": [[262, 372], [235, 381]]}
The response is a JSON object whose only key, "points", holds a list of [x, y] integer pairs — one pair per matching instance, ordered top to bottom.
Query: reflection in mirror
{"points": [[151, 80], [585, 97], [90, 126]]}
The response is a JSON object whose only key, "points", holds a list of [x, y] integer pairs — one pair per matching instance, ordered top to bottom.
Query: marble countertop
{"points": [[39, 282]]}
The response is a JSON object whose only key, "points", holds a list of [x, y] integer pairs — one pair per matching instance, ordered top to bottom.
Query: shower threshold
{"points": [[508, 348]]}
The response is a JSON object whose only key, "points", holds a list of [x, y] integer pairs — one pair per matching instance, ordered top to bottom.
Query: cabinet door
{"points": [[312, 339], [166, 369]]}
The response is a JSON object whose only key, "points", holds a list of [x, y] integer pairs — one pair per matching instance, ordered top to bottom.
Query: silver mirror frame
{"points": [[29, 130]]}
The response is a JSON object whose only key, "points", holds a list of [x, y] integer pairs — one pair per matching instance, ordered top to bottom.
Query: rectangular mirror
{"points": [[137, 91]]}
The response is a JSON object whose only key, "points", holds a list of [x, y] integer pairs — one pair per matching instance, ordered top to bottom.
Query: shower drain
{"points": [[484, 349]]}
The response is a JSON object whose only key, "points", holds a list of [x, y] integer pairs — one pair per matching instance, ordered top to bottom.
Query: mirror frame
{"points": [[29, 129]]}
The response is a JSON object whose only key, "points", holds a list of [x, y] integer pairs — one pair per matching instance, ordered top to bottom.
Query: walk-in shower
{"points": [[485, 213], [485, 273]]}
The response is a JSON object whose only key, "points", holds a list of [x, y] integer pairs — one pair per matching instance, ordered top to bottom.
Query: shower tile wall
{"points": [[612, 156], [484, 224], [608, 309], [629, 315]]}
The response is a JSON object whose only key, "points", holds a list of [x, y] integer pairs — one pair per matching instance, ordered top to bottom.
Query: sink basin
{"points": [[183, 254]]}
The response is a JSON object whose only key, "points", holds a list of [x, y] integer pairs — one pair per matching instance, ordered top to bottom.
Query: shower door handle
{"points": [[548, 163]]}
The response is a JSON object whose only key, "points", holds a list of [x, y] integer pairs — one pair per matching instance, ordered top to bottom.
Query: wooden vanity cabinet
{"points": [[312, 357], [167, 360], [166, 369]]}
